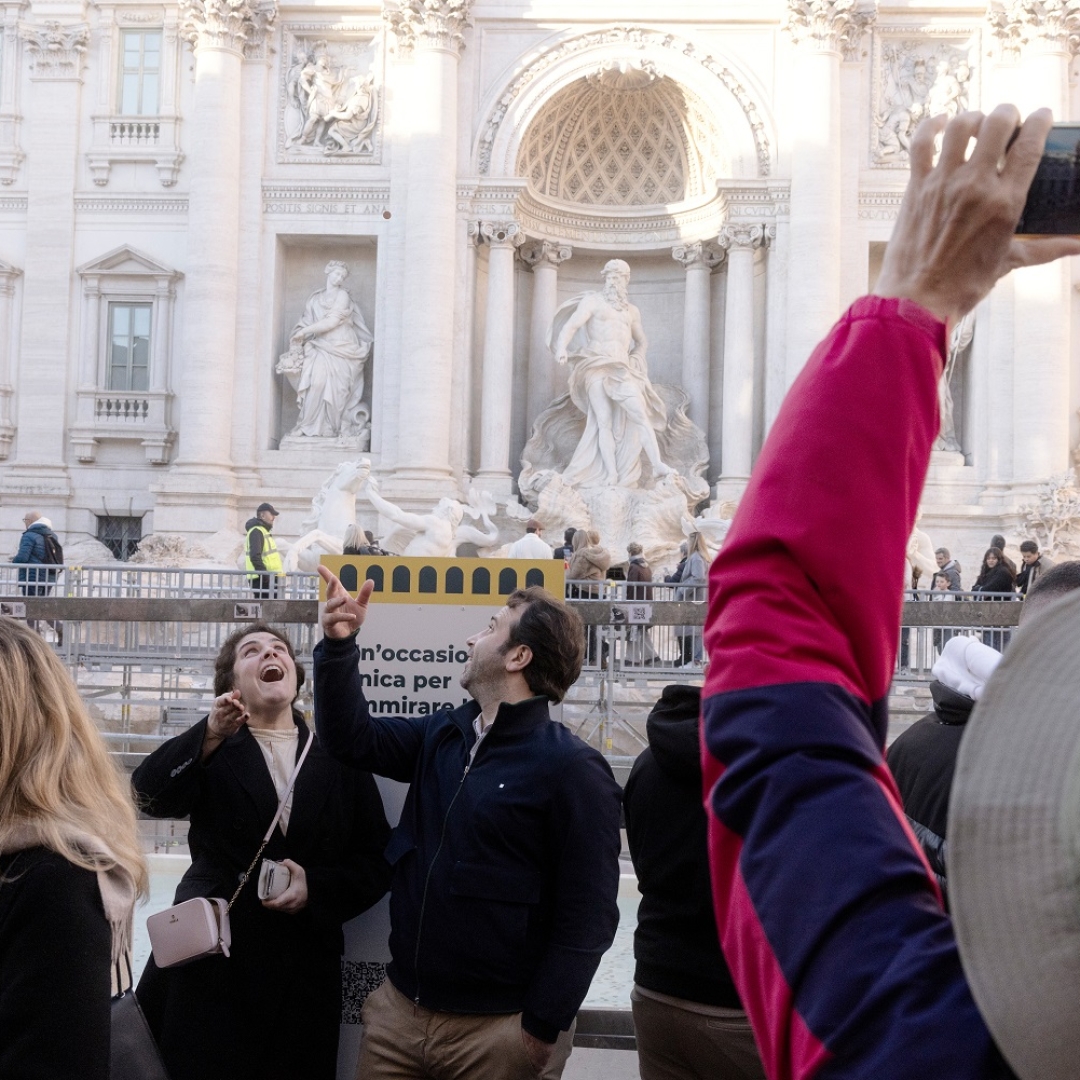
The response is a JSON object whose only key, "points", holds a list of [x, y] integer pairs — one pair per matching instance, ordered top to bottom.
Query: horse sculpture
{"points": [[332, 510]]}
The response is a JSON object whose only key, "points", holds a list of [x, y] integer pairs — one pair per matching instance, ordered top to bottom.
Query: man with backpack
{"points": [[39, 546]]}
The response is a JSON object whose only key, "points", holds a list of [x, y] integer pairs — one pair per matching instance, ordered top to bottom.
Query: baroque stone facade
{"points": [[474, 169]]}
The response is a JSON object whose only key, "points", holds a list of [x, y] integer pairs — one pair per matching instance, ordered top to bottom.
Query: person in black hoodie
{"points": [[923, 758], [689, 1019]]}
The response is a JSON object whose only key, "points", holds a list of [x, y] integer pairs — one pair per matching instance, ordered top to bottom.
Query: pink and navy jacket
{"points": [[830, 919]]}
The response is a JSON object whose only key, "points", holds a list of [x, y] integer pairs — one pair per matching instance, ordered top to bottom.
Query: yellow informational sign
{"points": [[481, 582], [423, 611]]}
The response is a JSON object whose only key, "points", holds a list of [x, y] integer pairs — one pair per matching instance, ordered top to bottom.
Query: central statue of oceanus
{"points": [[599, 334]]}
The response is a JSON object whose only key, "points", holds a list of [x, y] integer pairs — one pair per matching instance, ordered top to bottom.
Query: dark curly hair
{"points": [[555, 635], [226, 657]]}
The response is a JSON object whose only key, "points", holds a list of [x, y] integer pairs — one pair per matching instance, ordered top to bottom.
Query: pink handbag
{"points": [[200, 927], [185, 932]]}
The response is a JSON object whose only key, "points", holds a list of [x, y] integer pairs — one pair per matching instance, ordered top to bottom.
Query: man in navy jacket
{"points": [[506, 858]]}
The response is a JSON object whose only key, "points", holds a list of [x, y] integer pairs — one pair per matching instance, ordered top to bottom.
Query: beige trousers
{"points": [[403, 1041], [676, 1043]]}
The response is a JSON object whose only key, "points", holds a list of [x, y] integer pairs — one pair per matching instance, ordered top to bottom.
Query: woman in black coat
{"points": [[995, 577], [71, 870], [272, 1009]]}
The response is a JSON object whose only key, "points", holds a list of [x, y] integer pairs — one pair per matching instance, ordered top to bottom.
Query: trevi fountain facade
{"points": [[539, 257]]}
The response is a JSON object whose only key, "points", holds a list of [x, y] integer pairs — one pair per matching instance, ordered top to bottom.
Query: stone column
{"points": [[821, 31], [430, 32], [218, 34], [1040, 38], [53, 106], [545, 258], [699, 260], [8, 274], [497, 382], [254, 400], [737, 437]]}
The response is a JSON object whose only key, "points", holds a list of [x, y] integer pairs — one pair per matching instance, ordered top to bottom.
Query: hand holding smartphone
{"points": [[274, 879]]}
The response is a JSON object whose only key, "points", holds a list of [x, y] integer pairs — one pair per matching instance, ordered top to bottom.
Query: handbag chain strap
{"points": [[273, 824]]}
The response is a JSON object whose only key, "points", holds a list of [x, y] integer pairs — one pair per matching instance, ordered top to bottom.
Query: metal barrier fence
{"points": [[128, 580], [141, 642]]}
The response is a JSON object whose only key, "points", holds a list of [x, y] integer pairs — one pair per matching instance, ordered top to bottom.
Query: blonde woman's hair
{"points": [[56, 776]]}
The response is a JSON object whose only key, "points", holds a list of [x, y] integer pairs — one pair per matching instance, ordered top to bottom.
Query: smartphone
{"points": [[1053, 200]]}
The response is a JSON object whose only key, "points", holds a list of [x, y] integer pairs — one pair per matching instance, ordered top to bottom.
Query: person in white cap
{"points": [[923, 758], [831, 922]]}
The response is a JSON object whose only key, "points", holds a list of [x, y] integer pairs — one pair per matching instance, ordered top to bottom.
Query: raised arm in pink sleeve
{"points": [[830, 920]]}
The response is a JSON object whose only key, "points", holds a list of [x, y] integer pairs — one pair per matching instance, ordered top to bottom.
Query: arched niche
{"points": [[717, 94]]}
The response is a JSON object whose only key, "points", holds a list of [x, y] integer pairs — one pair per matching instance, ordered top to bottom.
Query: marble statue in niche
{"points": [[915, 80], [331, 107], [600, 336], [328, 349], [617, 452]]}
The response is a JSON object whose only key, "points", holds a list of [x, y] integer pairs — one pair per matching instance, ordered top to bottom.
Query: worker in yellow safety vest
{"points": [[262, 560]]}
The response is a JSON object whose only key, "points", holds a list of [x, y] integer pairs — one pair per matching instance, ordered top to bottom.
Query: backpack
{"points": [[54, 553]]}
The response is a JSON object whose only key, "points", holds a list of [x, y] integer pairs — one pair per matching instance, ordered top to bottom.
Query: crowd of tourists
{"points": [[793, 920]]}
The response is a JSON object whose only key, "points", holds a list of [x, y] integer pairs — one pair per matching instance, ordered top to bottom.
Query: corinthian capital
{"points": [[1054, 22], [433, 24], [236, 25], [834, 25], [56, 49], [502, 233], [742, 237], [545, 253], [697, 254]]}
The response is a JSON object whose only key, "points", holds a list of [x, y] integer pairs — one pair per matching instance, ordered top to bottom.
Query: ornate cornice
{"points": [[1016, 23], [432, 24], [827, 25], [240, 26], [636, 38], [56, 49], [757, 203], [132, 204], [880, 205], [610, 230], [742, 236], [538, 253], [701, 253]]}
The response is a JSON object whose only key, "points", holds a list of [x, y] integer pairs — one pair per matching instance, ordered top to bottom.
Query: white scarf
{"points": [[117, 894]]}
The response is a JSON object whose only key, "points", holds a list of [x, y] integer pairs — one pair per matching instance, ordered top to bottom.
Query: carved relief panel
{"points": [[916, 76], [331, 94]]}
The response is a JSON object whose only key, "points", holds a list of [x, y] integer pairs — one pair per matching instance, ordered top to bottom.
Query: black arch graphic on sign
{"points": [[376, 575], [535, 576], [348, 577], [401, 579], [429, 579], [455, 580], [508, 580], [481, 581]]}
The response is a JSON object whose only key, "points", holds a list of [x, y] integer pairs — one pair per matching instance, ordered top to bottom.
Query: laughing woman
{"points": [[272, 1009]]}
